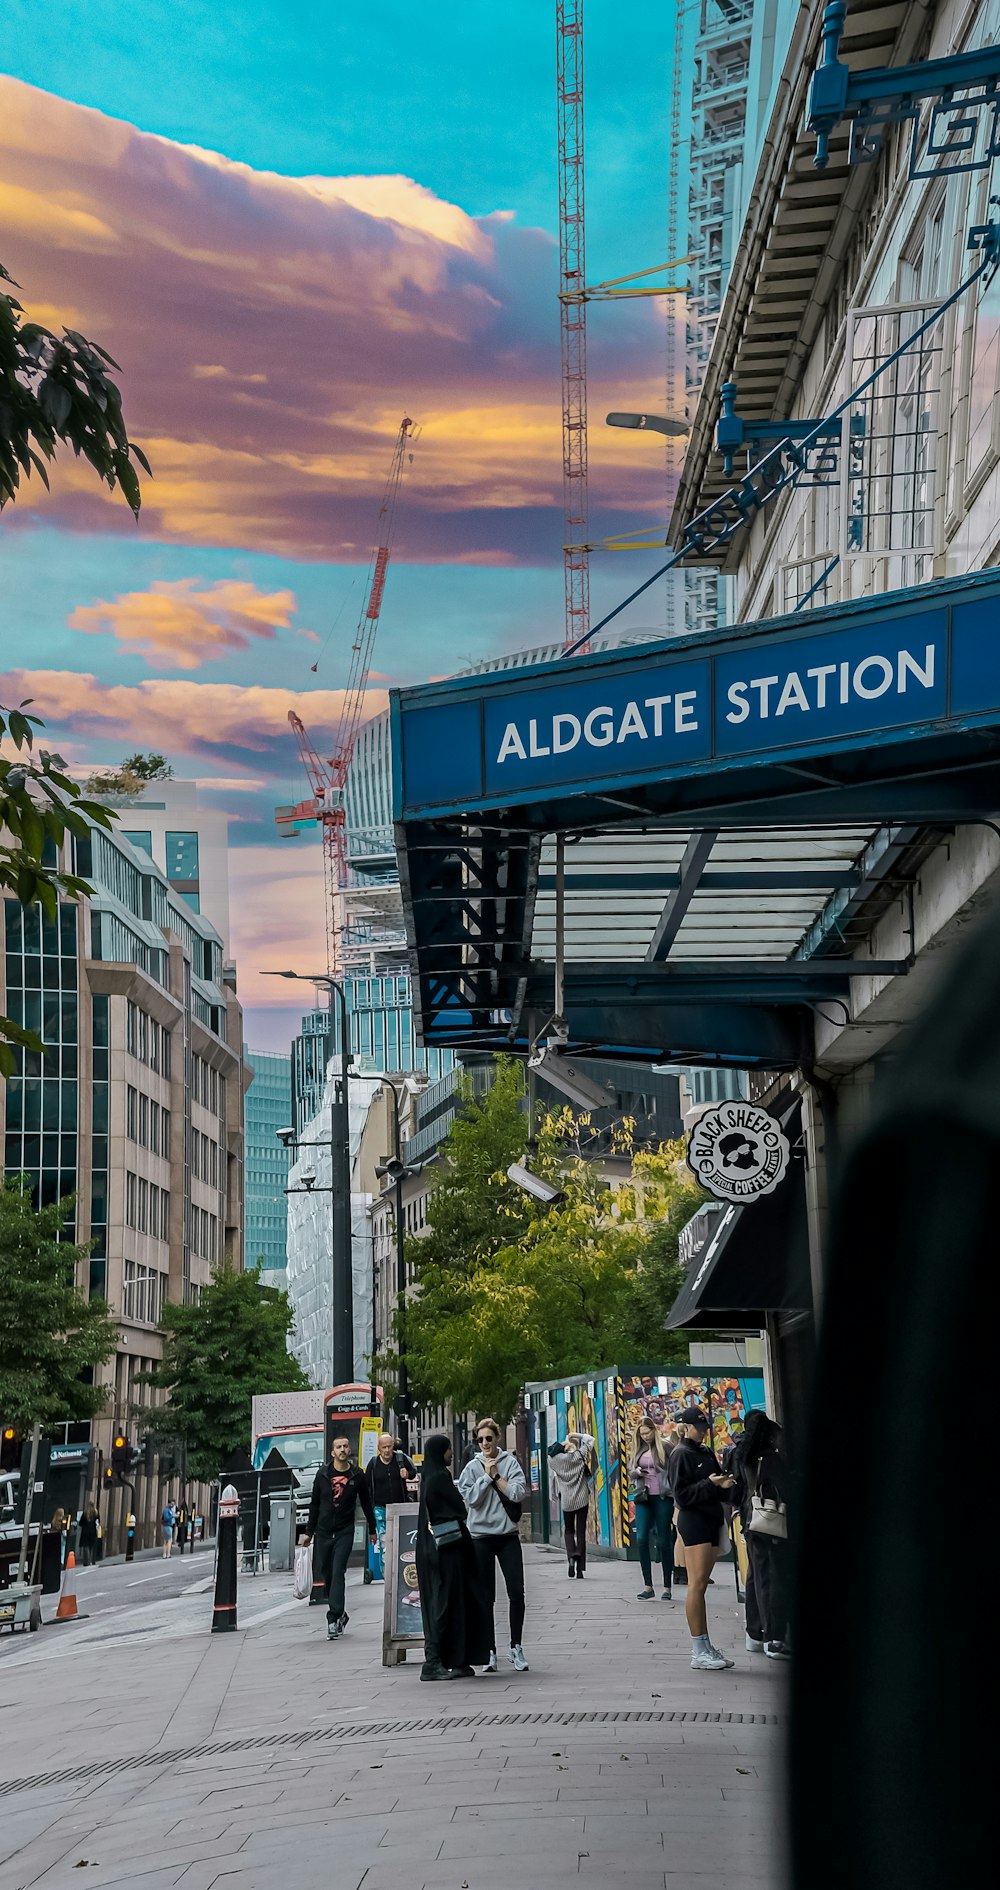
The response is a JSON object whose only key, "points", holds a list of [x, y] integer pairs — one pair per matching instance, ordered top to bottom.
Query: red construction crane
{"points": [[328, 778]]}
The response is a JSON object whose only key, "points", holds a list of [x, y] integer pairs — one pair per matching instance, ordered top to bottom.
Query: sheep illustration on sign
{"points": [[737, 1152]]}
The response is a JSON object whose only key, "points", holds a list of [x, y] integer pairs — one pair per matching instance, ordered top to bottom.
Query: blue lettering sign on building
{"points": [[922, 660]]}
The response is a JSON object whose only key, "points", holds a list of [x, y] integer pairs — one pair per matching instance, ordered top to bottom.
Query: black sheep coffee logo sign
{"points": [[737, 1152]]}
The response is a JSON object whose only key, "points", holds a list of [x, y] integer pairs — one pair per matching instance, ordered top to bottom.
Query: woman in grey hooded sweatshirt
{"points": [[572, 1469]]}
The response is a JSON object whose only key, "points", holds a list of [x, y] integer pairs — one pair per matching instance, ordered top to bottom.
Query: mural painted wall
{"points": [[609, 1408]]}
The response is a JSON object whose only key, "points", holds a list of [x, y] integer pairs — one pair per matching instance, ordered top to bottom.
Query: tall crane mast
{"points": [[573, 314], [328, 777]]}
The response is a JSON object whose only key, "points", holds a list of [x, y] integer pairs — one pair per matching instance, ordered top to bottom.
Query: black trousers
{"points": [[575, 1535], [507, 1551], [330, 1558], [766, 1591]]}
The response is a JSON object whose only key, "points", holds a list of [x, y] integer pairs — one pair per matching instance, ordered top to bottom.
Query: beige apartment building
{"points": [[136, 1108]]}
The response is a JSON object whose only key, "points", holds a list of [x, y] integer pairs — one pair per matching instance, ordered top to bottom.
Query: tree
{"points": [[57, 389], [131, 775], [39, 805], [473, 1207], [549, 1291], [51, 1337], [216, 1354]]}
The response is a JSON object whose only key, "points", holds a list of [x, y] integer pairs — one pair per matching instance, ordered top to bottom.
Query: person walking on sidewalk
{"points": [[572, 1469], [760, 1469], [386, 1477], [338, 1487], [494, 1487], [699, 1487], [654, 1508], [168, 1523], [88, 1537], [457, 1629]]}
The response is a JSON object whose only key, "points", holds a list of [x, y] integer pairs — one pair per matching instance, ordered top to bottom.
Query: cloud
{"points": [[273, 330], [176, 625], [181, 718], [278, 918]]}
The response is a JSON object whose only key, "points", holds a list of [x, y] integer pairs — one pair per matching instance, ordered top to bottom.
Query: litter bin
{"points": [[281, 1542]]}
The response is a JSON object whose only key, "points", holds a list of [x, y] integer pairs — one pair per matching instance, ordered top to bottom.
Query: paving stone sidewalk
{"points": [[270, 1759]]}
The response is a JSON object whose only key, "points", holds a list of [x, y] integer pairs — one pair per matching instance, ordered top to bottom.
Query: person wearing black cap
{"points": [[698, 1487]]}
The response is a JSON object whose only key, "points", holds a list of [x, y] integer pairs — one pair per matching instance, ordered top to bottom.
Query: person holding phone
{"points": [[494, 1487], [699, 1488]]}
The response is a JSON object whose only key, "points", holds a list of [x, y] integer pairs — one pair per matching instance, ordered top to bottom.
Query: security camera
{"points": [[566, 1076], [285, 1136], [309, 1180], [533, 1184]]}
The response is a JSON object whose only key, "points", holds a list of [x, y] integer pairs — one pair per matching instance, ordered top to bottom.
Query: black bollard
{"points": [[130, 1537], [224, 1611]]}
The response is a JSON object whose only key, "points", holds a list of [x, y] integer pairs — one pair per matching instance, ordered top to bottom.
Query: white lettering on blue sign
{"points": [[872, 677], [641, 719]]}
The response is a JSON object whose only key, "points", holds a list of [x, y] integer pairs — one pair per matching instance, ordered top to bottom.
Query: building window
{"points": [[141, 839], [142, 1293]]}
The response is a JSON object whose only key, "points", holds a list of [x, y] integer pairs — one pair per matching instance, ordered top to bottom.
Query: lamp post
{"points": [[395, 1170], [340, 1190]]}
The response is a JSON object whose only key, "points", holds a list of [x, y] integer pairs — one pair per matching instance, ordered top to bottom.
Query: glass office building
{"points": [[268, 1109]]}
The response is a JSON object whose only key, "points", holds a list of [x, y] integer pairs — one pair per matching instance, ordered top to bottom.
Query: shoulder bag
{"points": [[767, 1516], [446, 1533]]}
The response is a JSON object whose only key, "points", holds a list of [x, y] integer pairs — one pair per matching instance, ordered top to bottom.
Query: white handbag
{"points": [[768, 1518]]}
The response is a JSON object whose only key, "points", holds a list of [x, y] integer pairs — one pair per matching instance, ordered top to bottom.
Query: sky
{"points": [[290, 226]]}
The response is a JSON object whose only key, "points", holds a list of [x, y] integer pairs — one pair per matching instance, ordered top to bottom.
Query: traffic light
{"points": [[10, 1449], [121, 1458], [109, 1476]]}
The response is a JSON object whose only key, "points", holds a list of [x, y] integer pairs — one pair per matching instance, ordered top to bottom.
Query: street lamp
{"points": [[649, 423], [394, 1169], [340, 1189]]}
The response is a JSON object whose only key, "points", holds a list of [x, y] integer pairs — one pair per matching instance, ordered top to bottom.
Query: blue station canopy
{"points": [[730, 803]]}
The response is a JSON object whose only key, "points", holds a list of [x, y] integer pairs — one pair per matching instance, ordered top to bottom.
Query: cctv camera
{"points": [[565, 1075], [285, 1136], [309, 1180], [533, 1184]]}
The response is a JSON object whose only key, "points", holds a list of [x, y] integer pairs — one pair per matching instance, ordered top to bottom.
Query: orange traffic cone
{"points": [[66, 1610]]}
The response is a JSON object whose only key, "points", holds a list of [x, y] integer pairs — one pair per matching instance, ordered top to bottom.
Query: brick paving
{"points": [[337, 1798]]}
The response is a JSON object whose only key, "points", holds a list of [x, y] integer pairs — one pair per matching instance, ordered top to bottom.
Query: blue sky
{"points": [[271, 333]]}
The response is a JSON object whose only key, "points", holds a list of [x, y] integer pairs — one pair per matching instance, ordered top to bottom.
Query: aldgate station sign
{"points": [[847, 676]]}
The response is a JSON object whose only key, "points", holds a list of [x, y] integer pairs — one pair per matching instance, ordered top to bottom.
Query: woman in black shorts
{"points": [[698, 1486]]}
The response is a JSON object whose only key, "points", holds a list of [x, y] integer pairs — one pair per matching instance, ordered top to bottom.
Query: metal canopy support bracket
{"points": [[960, 89], [696, 856]]}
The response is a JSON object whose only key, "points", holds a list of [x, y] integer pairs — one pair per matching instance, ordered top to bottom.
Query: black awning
{"points": [[757, 1262]]}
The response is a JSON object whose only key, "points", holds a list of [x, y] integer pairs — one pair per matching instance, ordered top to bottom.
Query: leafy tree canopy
{"points": [[57, 389], [131, 775], [39, 805], [512, 1290], [49, 1333], [217, 1355]]}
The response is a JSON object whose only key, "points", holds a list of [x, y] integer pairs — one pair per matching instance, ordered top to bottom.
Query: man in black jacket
{"points": [[337, 1489]]}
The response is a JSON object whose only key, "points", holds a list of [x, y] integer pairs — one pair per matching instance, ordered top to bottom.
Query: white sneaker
{"points": [[752, 1646], [776, 1650], [517, 1660], [712, 1662], [491, 1664]]}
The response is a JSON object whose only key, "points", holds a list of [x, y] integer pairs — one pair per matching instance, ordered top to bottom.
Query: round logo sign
{"points": [[737, 1152]]}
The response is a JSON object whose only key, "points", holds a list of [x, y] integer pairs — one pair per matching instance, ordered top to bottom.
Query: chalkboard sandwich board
{"points": [[402, 1624]]}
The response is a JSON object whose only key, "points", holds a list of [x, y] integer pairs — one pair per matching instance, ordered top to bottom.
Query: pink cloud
{"points": [[273, 330], [177, 625], [180, 718]]}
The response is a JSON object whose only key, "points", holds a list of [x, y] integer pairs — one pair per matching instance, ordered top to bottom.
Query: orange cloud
{"points": [[273, 330], [177, 625], [180, 718]]}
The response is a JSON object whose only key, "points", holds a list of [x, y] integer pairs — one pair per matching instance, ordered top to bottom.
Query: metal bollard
{"points": [[130, 1537], [224, 1611]]}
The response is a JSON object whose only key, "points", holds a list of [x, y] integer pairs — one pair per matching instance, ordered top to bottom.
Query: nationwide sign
{"points": [[851, 676]]}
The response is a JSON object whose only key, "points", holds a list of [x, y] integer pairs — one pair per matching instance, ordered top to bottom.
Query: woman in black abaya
{"points": [[456, 1628]]}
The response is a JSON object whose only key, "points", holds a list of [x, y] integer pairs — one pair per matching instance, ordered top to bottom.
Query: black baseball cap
{"points": [[694, 1416]]}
